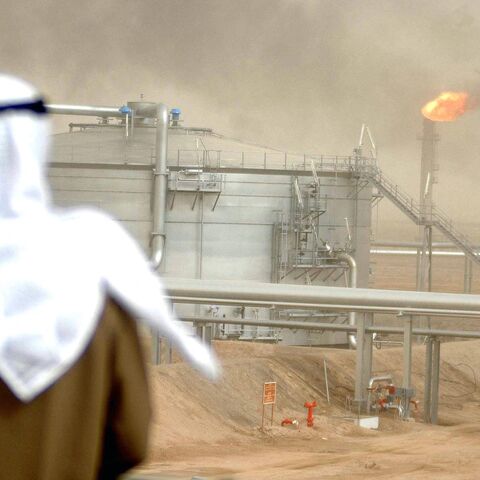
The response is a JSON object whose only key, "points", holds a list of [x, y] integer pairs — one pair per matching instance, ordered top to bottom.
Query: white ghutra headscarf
{"points": [[58, 266]]}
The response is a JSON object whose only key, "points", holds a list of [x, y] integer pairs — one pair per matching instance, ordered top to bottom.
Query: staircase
{"points": [[412, 209]]}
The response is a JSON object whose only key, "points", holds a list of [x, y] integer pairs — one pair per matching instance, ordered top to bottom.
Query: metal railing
{"points": [[269, 160], [365, 167], [413, 210]]}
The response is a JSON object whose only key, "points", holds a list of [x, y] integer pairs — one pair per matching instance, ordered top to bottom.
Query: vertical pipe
{"points": [[429, 139], [160, 186], [159, 195], [345, 257], [430, 257], [418, 279], [200, 328], [367, 351], [407, 351], [407, 360], [435, 380], [427, 395]]}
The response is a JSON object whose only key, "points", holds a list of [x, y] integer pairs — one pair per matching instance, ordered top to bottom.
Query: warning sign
{"points": [[269, 393]]}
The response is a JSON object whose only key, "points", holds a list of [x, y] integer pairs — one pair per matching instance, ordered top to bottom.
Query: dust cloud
{"points": [[298, 75]]}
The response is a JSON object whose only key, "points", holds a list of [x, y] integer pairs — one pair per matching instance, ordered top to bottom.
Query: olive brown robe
{"points": [[92, 423]]}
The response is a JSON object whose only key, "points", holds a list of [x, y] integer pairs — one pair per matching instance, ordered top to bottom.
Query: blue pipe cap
{"points": [[125, 109], [175, 111]]}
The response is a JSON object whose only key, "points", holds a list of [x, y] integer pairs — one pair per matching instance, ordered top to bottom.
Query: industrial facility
{"points": [[261, 233]]}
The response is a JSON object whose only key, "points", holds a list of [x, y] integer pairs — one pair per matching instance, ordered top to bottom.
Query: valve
{"points": [[310, 406], [289, 421]]}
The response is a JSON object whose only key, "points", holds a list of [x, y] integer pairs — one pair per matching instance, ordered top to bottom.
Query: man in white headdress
{"points": [[73, 390]]}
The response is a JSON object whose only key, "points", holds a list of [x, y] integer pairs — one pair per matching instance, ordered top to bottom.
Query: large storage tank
{"points": [[234, 211]]}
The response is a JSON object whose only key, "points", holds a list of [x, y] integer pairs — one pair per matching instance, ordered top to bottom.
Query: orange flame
{"points": [[446, 107]]}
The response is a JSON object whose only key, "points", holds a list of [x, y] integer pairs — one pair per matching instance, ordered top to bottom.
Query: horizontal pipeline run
{"points": [[269, 295], [332, 327]]}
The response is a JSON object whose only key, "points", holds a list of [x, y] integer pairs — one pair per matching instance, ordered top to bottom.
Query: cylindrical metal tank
{"points": [[234, 211]]}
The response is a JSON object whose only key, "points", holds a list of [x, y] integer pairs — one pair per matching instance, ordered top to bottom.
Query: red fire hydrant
{"points": [[310, 406]]}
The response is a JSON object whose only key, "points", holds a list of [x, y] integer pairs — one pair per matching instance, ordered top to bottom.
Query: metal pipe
{"points": [[87, 110], [154, 110], [143, 111], [160, 184], [393, 243], [411, 252], [352, 283], [321, 297], [328, 306], [338, 327], [407, 351], [407, 362], [379, 378]]}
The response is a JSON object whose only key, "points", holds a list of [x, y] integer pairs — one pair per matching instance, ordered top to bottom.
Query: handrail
{"points": [[437, 217]]}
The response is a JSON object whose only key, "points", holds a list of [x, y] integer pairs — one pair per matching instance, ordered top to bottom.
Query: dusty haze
{"points": [[298, 75]]}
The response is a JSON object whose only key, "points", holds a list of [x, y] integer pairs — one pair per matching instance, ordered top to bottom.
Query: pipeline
{"points": [[160, 187], [159, 194], [352, 283], [381, 378]]}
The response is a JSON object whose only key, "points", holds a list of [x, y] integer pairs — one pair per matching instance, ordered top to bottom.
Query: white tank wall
{"points": [[234, 241]]}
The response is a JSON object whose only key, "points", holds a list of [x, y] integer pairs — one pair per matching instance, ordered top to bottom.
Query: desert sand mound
{"points": [[214, 429]]}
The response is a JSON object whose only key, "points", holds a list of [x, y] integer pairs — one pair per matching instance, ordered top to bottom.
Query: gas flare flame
{"points": [[446, 107]]}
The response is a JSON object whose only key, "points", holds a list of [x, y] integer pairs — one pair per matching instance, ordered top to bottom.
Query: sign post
{"points": [[269, 398]]}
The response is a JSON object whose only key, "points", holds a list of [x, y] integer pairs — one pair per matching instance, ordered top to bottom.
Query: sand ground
{"points": [[212, 431]]}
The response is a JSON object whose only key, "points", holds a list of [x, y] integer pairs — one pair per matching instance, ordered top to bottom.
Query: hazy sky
{"points": [[298, 75]]}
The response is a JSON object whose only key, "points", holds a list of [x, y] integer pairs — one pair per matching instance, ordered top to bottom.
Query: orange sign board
{"points": [[269, 393]]}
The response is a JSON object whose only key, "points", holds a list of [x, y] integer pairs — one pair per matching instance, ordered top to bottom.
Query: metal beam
{"points": [[407, 351], [435, 380], [360, 392], [427, 394]]}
